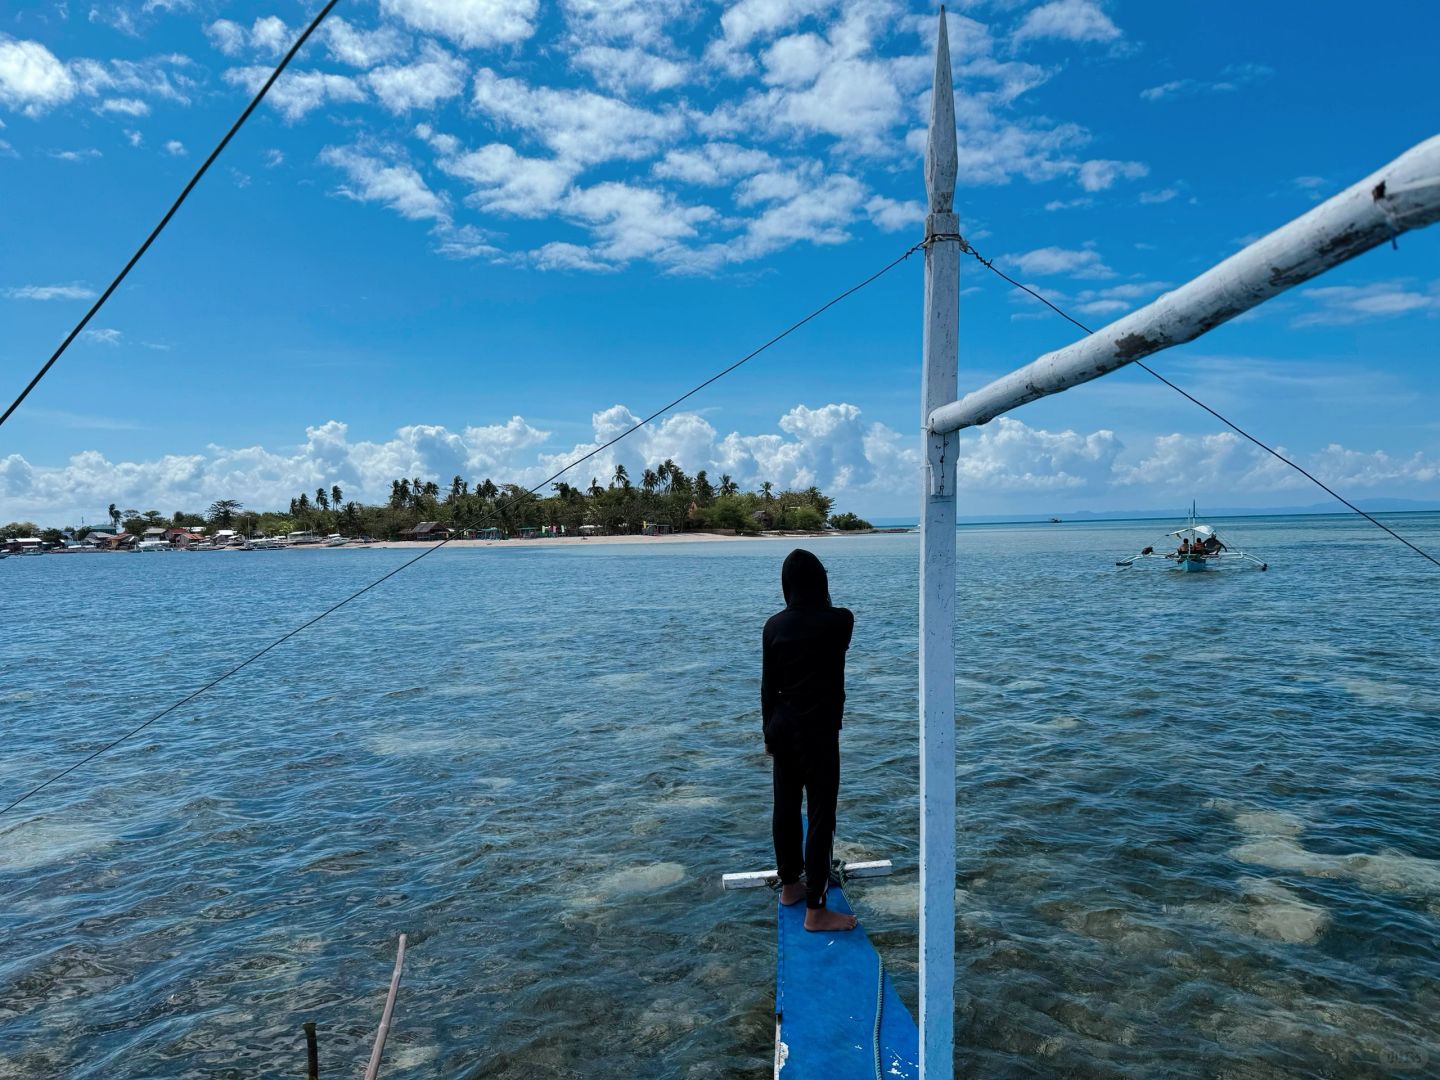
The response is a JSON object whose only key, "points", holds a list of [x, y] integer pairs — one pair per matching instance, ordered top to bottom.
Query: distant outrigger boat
{"points": [[1197, 547]]}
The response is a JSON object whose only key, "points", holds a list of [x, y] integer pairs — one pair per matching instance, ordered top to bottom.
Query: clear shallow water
{"points": [[1198, 821]]}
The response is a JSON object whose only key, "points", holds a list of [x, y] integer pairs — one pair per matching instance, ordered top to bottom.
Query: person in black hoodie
{"points": [[802, 697]]}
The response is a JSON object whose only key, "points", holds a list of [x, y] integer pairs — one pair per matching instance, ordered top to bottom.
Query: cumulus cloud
{"points": [[1068, 20], [474, 24], [362, 48], [622, 70], [434, 76], [32, 79], [297, 93], [578, 125], [713, 163], [1099, 175], [385, 179], [503, 181], [1083, 262], [831, 445], [1006, 464]]}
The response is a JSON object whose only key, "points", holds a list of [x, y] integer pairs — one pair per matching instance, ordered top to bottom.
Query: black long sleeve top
{"points": [[802, 682]]}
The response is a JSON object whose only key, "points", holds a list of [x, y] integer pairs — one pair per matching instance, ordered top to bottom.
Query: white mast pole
{"points": [[937, 589]]}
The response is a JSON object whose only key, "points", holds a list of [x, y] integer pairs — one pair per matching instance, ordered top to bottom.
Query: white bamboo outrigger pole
{"points": [[1403, 195], [937, 589]]}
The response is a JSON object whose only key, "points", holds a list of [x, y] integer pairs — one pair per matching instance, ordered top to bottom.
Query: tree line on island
{"points": [[664, 496]]}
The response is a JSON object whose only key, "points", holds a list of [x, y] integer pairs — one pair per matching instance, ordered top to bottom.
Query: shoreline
{"points": [[572, 541]]}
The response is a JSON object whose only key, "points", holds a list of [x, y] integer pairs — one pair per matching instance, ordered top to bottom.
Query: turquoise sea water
{"points": [[1198, 813]]}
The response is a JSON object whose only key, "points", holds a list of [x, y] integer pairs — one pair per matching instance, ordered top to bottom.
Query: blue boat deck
{"points": [[825, 1004]]}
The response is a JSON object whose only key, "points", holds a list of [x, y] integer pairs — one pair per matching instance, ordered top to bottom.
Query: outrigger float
{"points": [[1197, 547], [813, 1017]]}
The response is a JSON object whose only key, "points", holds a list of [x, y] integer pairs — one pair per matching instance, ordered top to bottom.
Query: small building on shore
{"points": [[426, 530], [23, 543]]}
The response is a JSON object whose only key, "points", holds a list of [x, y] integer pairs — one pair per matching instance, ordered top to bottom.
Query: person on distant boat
{"points": [[1184, 546], [802, 697]]}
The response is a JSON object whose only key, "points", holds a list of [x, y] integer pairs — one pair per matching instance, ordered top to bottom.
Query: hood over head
{"points": [[804, 581]]}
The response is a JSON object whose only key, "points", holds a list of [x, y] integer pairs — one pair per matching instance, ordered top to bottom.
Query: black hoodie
{"points": [[802, 683]]}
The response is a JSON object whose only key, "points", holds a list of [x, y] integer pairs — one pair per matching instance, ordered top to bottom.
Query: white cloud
{"points": [[1068, 20], [631, 22], [474, 24], [229, 37], [362, 48], [621, 70], [434, 77], [32, 79], [296, 93], [126, 106], [578, 125], [135, 138], [175, 148], [87, 154], [711, 164], [1099, 175], [392, 183], [507, 183], [1164, 195], [892, 215], [631, 222], [558, 255], [1084, 262], [73, 291], [1342, 305], [101, 335], [1009, 456], [1006, 464]]}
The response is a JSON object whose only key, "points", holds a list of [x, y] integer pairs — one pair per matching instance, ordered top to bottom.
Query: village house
{"points": [[426, 530]]}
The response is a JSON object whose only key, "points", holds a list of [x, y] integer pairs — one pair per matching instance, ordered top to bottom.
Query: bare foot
{"points": [[792, 894], [822, 919]]}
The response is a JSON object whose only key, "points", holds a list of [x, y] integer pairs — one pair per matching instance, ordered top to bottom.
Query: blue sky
{"points": [[473, 235]]}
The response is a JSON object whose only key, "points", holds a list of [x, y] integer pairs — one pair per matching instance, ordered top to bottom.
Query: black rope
{"points": [[155, 232], [990, 265], [492, 515]]}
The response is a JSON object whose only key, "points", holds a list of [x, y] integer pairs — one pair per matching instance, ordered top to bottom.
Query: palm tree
{"points": [[667, 472], [622, 478], [649, 480], [727, 486], [595, 489], [766, 489], [336, 495], [321, 499], [114, 518]]}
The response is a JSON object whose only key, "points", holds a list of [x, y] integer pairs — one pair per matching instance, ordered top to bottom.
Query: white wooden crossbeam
{"points": [[754, 879]]}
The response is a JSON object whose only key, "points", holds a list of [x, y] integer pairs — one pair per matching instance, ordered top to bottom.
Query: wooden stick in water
{"points": [[312, 1052], [373, 1069]]}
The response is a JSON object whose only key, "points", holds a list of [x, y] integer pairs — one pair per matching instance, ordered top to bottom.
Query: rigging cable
{"points": [[175, 206], [989, 264], [492, 515]]}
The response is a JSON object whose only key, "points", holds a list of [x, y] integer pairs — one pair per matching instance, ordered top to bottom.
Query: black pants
{"points": [[813, 772]]}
